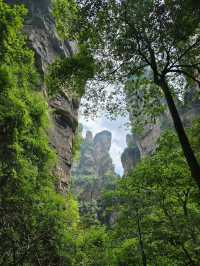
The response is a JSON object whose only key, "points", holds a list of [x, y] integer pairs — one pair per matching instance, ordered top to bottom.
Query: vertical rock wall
{"points": [[43, 39], [144, 144], [131, 155], [95, 159], [94, 172]]}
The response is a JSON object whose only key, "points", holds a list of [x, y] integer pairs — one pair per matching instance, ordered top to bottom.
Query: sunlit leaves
{"points": [[64, 12], [71, 74], [160, 197], [36, 222]]}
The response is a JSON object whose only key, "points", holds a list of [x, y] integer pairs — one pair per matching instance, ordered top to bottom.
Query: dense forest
{"points": [[61, 202]]}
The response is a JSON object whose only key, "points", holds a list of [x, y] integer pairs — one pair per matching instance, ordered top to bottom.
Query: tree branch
{"points": [[186, 51]]}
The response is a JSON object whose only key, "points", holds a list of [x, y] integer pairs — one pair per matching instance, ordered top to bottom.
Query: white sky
{"points": [[119, 130]]}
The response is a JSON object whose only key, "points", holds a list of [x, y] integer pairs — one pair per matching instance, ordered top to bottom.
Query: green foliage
{"points": [[64, 12], [129, 37], [11, 41], [71, 74], [143, 102], [77, 141], [155, 210], [158, 210], [72, 212], [88, 213], [36, 223], [38, 226], [93, 248], [127, 254]]}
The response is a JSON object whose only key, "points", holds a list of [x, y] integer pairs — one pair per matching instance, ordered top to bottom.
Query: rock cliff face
{"points": [[43, 39], [102, 144], [143, 145], [94, 155], [131, 155], [87, 160], [95, 169], [93, 175]]}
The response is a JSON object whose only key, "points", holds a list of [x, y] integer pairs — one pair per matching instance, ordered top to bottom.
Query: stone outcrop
{"points": [[43, 39], [145, 143], [131, 155], [95, 159], [87, 160], [103, 161], [95, 169], [92, 175]]}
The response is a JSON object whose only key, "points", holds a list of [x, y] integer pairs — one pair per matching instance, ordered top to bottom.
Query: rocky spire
{"points": [[102, 144], [144, 144], [131, 155], [95, 159]]}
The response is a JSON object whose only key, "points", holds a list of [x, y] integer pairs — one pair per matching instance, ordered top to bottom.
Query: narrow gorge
{"points": [[99, 133]]}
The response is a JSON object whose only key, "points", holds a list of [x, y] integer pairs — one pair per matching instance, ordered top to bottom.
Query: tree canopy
{"points": [[131, 37]]}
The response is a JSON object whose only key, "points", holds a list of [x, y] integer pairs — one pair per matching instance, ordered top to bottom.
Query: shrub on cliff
{"points": [[36, 223]]}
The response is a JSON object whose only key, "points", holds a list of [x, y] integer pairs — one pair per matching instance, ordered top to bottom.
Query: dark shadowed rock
{"points": [[131, 155]]}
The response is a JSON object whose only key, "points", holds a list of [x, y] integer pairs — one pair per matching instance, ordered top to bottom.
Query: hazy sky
{"points": [[119, 130]]}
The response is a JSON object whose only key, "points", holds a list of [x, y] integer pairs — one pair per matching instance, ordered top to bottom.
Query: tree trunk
{"points": [[187, 149], [144, 259]]}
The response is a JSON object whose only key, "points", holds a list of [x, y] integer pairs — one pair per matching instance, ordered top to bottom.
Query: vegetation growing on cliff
{"points": [[64, 12], [71, 74], [78, 139], [155, 210], [33, 216]]}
